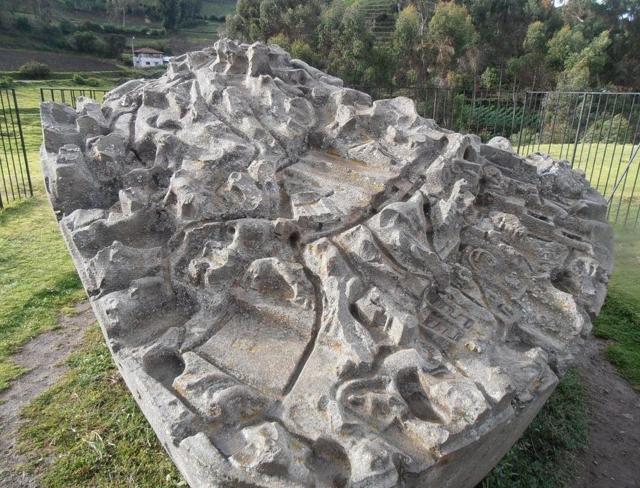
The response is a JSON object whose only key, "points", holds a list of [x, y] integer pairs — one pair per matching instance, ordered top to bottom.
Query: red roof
{"points": [[147, 50]]}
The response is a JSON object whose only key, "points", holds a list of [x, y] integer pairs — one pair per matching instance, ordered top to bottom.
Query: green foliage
{"points": [[170, 13], [23, 24], [451, 25], [66, 26], [407, 32], [536, 39], [281, 40], [86, 42], [114, 45], [564, 45], [303, 51], [33, 70], [490, 78], [78, 79], [6, 82], [610, 129], [619, 320], [546, 455]]}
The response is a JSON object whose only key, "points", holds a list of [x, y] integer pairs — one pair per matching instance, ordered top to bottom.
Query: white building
{"points": [[145, 57]]}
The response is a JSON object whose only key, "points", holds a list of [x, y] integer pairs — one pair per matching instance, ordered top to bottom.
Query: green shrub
{"points": [[23, 24], [67, 27], [85, 41], [115, 44], [127, 59], [33, 70], [78, 79], [92, 81], [6, 82], [607, 129]]}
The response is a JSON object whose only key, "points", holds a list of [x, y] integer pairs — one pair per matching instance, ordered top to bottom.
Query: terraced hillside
{"points": [[381, 14]]}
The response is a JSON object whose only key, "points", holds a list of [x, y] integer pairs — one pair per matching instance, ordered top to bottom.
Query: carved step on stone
{"points": [[302, 287]]}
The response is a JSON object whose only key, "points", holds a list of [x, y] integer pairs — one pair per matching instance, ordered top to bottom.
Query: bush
{"points": [[23, 24], [67, 27], [51, 35], [86, 42], [115, 44], [127, 59], [33, 70], [78, 79], [6, 82], [608, 130]]}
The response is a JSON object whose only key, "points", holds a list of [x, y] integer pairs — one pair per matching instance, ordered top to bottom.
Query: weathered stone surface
{"points": [[305, 288]]}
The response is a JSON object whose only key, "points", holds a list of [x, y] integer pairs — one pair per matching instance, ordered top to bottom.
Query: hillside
{"points": [[88, 37]]}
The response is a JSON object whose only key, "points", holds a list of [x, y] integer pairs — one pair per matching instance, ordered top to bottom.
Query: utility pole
{"points": [[133, 55]]}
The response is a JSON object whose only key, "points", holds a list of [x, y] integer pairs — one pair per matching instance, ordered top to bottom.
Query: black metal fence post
{"points": [[15, 178]]}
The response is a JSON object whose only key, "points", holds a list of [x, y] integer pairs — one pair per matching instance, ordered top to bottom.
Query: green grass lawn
{"points": [[603, 165], [37, 277], [87, 431]]}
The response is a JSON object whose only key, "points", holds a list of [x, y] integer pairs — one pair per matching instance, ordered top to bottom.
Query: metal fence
{"points": [[70, 95], [597, 132], [15, 179]]}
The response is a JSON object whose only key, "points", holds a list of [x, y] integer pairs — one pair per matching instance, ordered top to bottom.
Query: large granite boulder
{"points": [[302, 287]]}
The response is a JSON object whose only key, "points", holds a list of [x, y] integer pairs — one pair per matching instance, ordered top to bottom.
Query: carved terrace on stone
{"points": [[302, 287]]}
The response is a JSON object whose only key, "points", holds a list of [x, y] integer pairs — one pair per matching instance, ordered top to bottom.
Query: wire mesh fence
{"points": [[70, 95], [597, 132], [15, 179]]}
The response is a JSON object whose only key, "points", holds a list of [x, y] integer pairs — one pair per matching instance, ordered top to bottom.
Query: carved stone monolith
{"points": [[302, 287]]}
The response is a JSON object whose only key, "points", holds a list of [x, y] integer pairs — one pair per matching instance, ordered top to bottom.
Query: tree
{"points": [[118, 8], [190, 9], [170, 13], [271, 22], [451, 24], [451, 34], [115, 44], [408, 44], [563, 44], [532, 65], [584, 69]]}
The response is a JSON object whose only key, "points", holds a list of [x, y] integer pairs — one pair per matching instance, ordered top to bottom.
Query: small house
{"points": [[145, 57]]}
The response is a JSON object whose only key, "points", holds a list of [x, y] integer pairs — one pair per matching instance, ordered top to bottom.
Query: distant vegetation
{"points": [[106, 28], [532, 44]]}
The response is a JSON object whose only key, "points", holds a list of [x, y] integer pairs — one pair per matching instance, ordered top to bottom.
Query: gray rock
{"points": [[302, 287]]}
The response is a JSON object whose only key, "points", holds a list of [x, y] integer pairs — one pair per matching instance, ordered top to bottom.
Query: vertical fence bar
{"points": [[524, 112], [564, 130], [586, 131], [592, 136], [575, 142], [24, 147], [11, 151], [604, 156], [595, 158], [14, 165], [19, 173], [616, 180], [624, 183]]}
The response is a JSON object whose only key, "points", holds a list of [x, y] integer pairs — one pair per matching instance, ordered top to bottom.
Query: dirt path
{"points": [[44, 357], [613, 459]]}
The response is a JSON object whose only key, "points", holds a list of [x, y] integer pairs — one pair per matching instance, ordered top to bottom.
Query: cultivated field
{"points": [[12, 60]]}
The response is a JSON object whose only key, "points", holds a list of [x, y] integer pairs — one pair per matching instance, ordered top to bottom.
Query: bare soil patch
{"points": [[12, 60], [44, 357], [613, 459]]}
